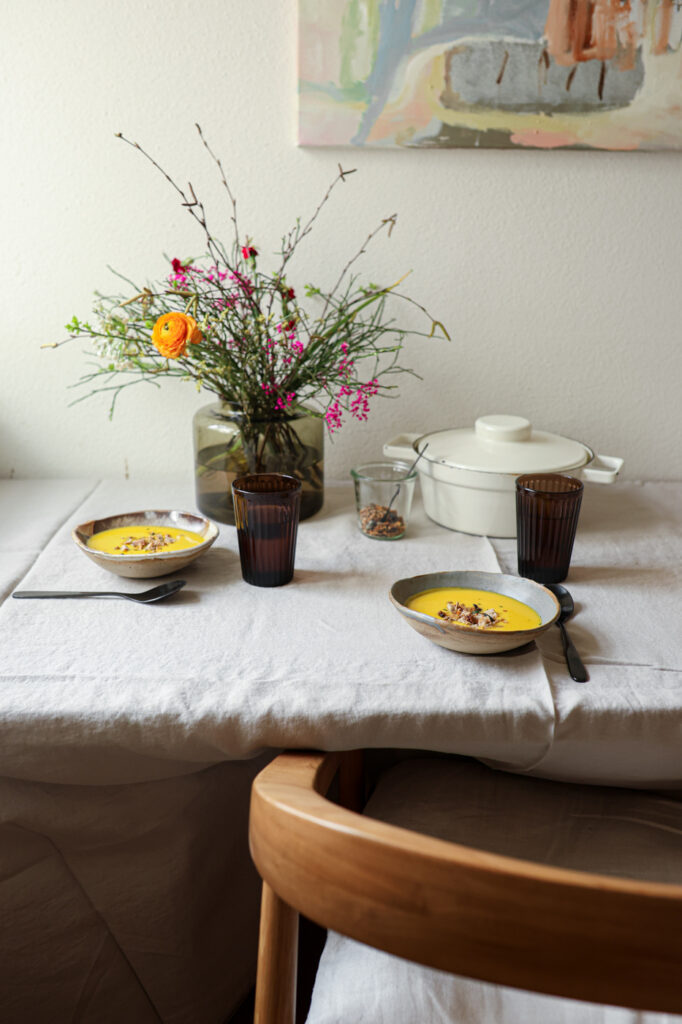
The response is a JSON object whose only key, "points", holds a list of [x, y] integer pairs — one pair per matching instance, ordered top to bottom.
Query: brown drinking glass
{"points": [[547, 508], [266, 511]]}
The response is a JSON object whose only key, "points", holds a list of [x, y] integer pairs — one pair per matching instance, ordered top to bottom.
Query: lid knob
{"points": [[503, 428]]}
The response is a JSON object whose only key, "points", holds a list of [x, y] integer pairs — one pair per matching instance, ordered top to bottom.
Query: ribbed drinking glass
{"points": [[547, 509], [266, 510]]}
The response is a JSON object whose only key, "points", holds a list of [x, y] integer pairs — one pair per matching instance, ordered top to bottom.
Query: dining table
{"points": [[130, 734]]}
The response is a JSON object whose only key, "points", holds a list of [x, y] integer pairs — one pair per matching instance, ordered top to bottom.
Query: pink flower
{"points": [[248, 252], [179, 275], [243, 283], [284, 403], [359, 407], [333, 417]]}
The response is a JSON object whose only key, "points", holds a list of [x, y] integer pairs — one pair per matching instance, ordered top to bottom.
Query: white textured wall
{"points": [[558, 274]]}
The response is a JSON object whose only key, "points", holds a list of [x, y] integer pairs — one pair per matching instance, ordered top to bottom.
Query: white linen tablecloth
{"points": [[31, 511], [110, 692], [624, 727], [129, 734]]}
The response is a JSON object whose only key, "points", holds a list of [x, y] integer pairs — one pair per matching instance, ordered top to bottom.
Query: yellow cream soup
{"points": [[144, 540], [516, 615]]}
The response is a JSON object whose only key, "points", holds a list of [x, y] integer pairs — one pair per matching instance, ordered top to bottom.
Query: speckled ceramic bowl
{"points": [[146, 565], [470, 639]]}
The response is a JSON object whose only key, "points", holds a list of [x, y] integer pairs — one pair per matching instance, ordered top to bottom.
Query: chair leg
{"points": [[352, 780], [277, 961]]}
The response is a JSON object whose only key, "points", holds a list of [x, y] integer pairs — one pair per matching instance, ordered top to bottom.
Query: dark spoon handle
{"points": [[65, 593], [575, 665]]}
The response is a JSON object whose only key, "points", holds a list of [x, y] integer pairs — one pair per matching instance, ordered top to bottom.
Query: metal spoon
{"points": [[397, 490], [146, 597], [573, 660]]}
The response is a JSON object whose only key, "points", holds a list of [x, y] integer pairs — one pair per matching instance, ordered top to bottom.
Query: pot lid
{"points": [[504, 444]]}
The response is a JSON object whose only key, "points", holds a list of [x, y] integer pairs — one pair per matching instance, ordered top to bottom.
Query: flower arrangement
{"points": [[242, 333], [283, 368]]}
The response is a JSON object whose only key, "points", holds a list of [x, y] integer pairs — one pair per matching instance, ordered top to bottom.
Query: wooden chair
{"points": [[483, 915]]}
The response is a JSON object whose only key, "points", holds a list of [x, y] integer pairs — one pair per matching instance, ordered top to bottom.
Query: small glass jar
{"points": [[383, 498]]}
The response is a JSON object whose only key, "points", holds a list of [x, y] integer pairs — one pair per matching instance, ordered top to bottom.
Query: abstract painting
{"points": [[517, 74]]}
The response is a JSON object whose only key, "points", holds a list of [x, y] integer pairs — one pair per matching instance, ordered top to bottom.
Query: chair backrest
{"points": [[483, 915]]}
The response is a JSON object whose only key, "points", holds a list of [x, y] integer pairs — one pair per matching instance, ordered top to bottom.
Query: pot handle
{"points": [[400, 447], [603, 469]]}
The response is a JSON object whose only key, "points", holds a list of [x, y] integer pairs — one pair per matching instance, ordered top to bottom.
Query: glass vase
{"points": [[227, 445]]}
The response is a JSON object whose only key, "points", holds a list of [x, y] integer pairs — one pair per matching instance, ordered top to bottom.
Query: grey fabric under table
{"points": [[129, 735]]}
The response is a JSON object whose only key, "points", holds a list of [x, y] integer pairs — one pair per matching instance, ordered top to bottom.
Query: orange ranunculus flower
{"points": [[171, 333]]}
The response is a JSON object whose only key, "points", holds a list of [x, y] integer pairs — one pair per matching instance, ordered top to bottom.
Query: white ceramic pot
{"points": [[468, 474]]}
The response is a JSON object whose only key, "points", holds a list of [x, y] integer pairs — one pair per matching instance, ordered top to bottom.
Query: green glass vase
{"points": [[226, 446]]}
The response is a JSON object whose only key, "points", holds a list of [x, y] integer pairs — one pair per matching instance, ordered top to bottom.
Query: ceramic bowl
{"points": [[145, 565], [470, 639]]}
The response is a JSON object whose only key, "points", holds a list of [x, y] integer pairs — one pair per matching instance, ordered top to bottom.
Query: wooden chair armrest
{"points": [[457, 908]]}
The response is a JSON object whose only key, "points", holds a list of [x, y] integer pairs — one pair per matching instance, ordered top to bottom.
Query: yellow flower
{"points": [[171, 333]]}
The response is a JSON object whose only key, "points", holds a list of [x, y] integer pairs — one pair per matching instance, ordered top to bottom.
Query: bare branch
{"points": [[232, 199], [391, 221]]}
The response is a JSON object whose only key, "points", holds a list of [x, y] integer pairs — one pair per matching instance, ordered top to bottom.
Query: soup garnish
{"points": [[144, 540], [476, 609]]}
